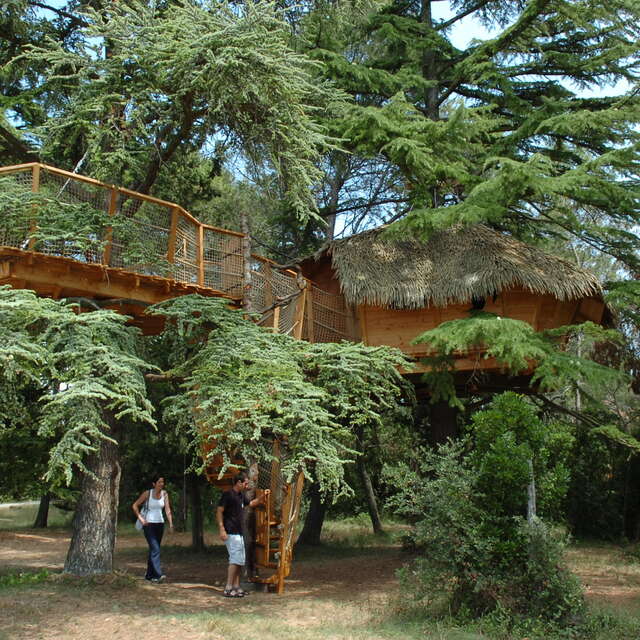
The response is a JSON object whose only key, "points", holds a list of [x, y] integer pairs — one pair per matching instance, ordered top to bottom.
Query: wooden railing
{"points": [[135, 232], [149, 236]]}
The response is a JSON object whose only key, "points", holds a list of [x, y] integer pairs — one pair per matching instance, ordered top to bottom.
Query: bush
{"points": [[476, 551]]}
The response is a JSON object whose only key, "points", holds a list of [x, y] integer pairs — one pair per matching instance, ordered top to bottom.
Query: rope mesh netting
{"points": [[77, 201], [92, 222], [14, 234], [223, 262], [268, 286], [329, 313]]}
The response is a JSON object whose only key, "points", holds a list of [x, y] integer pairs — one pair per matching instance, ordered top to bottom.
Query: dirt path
{"points": [[327, 585], [127, 607]]}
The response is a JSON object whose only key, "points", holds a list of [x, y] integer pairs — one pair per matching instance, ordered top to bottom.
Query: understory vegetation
{"points": [[298, 124]]}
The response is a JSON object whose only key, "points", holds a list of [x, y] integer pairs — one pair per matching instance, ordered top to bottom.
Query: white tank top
{"points": [[155, 507]]}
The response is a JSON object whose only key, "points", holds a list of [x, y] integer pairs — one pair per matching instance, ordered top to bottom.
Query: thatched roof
{"points": [[451, 267]]}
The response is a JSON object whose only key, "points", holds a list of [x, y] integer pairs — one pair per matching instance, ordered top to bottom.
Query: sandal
{"points": [[232, 593]]}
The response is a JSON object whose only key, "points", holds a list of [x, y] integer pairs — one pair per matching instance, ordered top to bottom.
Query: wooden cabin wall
{"points": [[321, 273], [398, 327]]}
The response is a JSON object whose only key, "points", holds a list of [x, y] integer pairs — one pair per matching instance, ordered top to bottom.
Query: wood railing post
{"points": [[35, 187], [113, 207], [171, 242], [200, 258], [300, 313], [276, 319], [310, 320]]}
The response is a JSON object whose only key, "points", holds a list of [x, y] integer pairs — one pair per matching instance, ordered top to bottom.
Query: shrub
{"points": [[475, 549]]}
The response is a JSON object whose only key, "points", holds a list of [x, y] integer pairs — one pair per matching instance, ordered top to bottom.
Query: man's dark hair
{"points": [[239, 477]]}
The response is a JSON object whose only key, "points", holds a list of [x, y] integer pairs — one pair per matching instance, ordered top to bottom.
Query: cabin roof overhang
{"points": [[452, 267]]}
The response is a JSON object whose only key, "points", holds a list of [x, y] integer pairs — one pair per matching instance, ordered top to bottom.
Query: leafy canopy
{"points": [[85, 363], [243, 386]]}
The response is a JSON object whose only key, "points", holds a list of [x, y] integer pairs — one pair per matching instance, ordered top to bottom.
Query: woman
{"points": [[153, 502]]}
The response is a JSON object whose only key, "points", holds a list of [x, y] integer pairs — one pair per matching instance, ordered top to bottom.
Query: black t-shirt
{"points": [[233, 503]]}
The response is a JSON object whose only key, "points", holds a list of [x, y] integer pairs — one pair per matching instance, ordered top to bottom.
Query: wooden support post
{"points": [[35, 187], [113, 206], [171, 242], [200, 258], [300, 313], [276, 320], [310, 321]]}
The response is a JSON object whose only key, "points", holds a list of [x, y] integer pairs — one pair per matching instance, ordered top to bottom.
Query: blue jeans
{"points": [[153, 533]]}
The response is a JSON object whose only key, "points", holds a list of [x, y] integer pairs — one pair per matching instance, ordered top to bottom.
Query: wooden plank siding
{"points": [[398, 327]]}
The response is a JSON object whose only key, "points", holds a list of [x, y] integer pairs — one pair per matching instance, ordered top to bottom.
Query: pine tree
{"points": [[504, 130]]}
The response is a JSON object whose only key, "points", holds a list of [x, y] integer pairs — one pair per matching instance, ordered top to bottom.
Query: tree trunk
{"points": [[430, 67], [443, 422], [370, 495], [372, 503], [532, 510], [96, 516], [42, 517], [315, 517], [197, 520]]}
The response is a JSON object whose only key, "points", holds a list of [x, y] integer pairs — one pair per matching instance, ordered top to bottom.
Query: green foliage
{"points": [[164, 85], [517, 347], [85, 362], [244, 386], [508, 435], [475, 548], [23, 578]]}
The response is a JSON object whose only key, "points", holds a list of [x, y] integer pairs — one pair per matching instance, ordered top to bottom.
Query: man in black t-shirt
{"points": [[229, 518]]}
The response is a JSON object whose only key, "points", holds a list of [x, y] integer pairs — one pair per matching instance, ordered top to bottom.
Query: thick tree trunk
{"points": [[443, 422], [370, 495], [372, 503], [96, 516], [42, 517], [315, 517], [197, 520]]}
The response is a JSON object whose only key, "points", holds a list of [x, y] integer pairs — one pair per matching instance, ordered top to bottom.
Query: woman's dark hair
{"points": [[155, 477]]}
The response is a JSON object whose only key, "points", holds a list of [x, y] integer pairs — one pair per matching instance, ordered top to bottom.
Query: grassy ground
{"points": [[19, 516], [345, 589]]}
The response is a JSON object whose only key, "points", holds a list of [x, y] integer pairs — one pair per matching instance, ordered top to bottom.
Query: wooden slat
{"points": [[16, 168], [35, 187], [113, 205], [226, 232], [171, 244]]}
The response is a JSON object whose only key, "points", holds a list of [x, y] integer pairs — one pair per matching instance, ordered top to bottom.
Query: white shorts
{"points": [[235, 547]]}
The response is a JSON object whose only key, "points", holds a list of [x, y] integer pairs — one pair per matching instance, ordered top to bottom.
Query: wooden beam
{"points": [[17, 168], [35, 187], [113, 207], [173, 229], [300, 313]]}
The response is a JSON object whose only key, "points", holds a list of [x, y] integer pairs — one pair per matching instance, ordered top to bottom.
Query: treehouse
{"points": [[69, 236], [390, 291]]}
